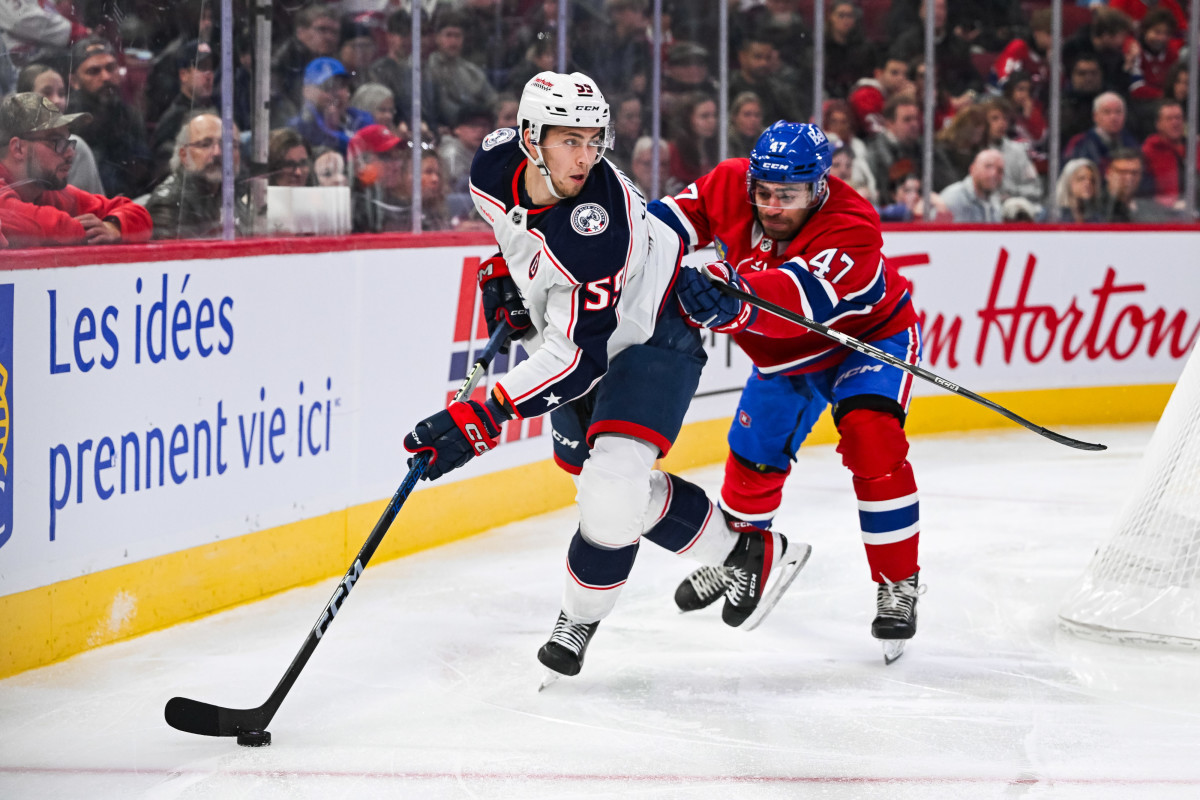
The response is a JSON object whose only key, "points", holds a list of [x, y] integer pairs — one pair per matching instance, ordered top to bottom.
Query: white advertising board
{"points": [[154, 407]]}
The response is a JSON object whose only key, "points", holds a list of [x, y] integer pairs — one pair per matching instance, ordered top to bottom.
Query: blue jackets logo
{"points": [[589, 219], [6, 405]]}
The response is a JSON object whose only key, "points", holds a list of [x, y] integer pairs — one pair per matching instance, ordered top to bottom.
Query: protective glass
{"points": [[787, 196]]}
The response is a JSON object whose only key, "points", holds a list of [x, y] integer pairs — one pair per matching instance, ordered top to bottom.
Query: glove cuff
{"points": [[494, 267]]}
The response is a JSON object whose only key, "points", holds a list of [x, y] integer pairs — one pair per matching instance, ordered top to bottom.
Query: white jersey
{"points": [[594, 271]]}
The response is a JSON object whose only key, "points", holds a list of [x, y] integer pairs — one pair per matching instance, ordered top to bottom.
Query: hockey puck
{"points": [[254, 738]]}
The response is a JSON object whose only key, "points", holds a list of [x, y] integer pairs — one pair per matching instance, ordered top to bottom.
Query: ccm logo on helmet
{"points": [[589, 108]]}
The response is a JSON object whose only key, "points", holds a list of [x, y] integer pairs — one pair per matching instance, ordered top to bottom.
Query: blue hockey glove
{"points": [[501, 299], [705, 306], [456, 435]]}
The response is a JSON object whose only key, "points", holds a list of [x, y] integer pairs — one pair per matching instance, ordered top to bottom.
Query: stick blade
{"points": [[192, 716], [205, 719]]}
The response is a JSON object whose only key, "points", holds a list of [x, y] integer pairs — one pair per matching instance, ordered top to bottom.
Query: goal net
{"points": [[1143, 585]]}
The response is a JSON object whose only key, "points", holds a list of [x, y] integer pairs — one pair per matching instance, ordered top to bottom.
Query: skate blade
{"points": [[796, 558], [892, 649], [549, 678]]}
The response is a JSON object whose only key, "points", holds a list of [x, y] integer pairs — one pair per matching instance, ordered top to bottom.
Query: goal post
{"points": [[1143, 585]]}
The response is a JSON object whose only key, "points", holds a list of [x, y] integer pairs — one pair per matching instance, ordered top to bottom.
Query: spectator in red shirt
{"points": [[1027, 55], [1165, 154], [37, 206]]}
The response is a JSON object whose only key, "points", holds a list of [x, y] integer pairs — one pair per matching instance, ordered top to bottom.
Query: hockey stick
{"points": [[888, 358], [250, 724]]}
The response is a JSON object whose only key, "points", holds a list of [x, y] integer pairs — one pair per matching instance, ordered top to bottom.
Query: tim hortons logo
{"points": [[1107, 321]]}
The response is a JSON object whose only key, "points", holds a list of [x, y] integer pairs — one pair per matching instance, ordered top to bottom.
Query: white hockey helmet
{"points": [[552, 98]]}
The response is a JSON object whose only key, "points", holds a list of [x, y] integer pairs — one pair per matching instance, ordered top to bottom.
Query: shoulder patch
{"points": [[499, 136], [589, 219]]}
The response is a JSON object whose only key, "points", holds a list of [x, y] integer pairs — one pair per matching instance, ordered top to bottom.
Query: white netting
{"points": [[1143, 585]]}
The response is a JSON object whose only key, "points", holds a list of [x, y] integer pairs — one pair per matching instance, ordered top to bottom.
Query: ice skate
{"points": [[762, 566], [702, 588], [896, 615], [563, 654]]}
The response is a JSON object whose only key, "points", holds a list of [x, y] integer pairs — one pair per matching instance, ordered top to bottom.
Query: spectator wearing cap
{"points": [[194, 21], [316, 35], [195, 62], [394, 70], [686, 71], [462, 82], [49, 84], [327, 119], [116, 133], [1107, 133], [458, 147], [380, 164], [976, 198], [188, 203], [37, 205]]}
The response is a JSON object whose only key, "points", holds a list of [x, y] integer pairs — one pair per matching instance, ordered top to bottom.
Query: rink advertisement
{"points": [[181, 434]]}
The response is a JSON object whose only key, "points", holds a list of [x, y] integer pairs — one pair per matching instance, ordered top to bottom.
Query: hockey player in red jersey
{"points": [[787, 231]]}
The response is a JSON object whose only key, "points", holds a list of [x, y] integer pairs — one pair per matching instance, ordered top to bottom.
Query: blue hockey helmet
{"points": [[791, 152]]}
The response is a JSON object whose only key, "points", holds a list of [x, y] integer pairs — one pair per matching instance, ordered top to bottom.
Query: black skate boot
{"points": [[762, 567], [702, 588], [896, 615], [568, 642]]}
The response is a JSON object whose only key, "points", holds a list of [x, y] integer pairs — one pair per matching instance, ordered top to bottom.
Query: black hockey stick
{"points": [[888, 358], [249, 725]]}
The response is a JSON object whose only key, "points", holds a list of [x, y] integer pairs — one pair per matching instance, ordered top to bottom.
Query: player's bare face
{"points": [[569, 154], [782, 207]]}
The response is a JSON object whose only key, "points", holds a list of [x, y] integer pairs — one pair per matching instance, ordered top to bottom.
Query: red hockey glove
{"points": [[501, 299], [705, 306], [456, 435]]}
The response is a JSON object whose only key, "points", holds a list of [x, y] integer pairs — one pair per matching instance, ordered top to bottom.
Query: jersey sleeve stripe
{"points": [[485, 197], [669, 212], [557, 264], [552, 379]]}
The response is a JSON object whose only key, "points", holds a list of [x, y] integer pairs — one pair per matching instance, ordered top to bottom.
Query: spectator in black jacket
{"points": [[195, 63], [116, 132]]}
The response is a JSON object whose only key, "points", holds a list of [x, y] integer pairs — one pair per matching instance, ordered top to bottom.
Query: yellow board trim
{"points": [[50, 623]]}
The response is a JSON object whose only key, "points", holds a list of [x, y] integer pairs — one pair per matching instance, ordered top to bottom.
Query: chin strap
{"points": [[539, 162]]}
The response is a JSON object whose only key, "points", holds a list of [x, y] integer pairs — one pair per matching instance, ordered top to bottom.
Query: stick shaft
{"points": [[888, 358]]}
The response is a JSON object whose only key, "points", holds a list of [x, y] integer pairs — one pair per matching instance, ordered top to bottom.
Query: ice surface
{"points": [[426, 685]]}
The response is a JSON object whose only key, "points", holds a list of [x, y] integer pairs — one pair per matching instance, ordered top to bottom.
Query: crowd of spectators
{"points": [[133, 90]]}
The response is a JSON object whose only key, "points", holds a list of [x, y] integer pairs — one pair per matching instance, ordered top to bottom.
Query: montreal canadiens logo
{"points": [[498, 137], [589, 219], [743, 419]]}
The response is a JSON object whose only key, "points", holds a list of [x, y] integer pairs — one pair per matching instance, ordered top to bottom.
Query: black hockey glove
{"points": [[501, 300], [706, 307], [456, 435]]}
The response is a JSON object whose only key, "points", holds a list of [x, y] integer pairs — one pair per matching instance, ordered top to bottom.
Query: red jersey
{"points": [[1018, 56], [833, 271]]}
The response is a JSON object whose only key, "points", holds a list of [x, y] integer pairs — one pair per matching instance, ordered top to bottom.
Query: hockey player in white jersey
{"points": [[588, 278]]}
